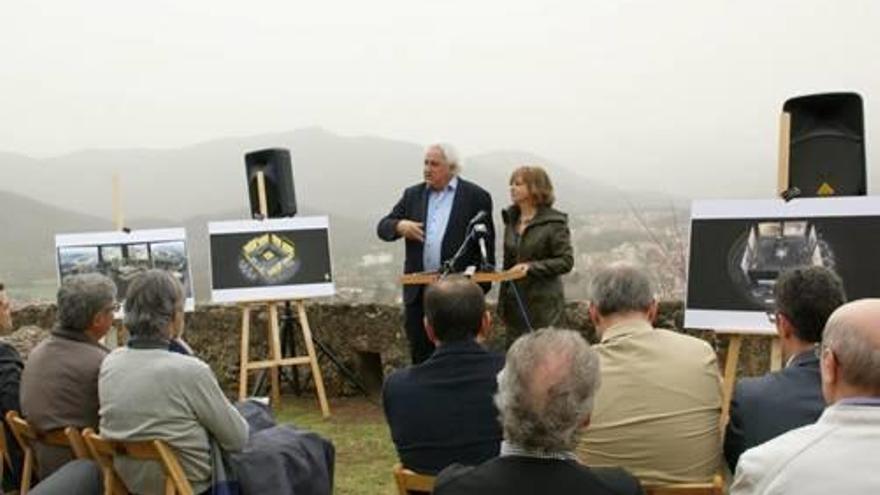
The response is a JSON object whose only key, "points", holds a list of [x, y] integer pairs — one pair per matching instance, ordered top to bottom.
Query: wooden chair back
{"points": [[27, 436], [104, 450], [408, 480], [715, 487]]}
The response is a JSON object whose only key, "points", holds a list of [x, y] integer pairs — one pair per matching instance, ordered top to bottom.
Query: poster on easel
{"points": [[738, 248], [121, 256], [268, 260]]}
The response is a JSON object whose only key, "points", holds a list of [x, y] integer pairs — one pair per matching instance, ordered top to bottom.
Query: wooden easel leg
{"points": [[245, 342], [274, 342], [733, 349], [775, 354], [313, 358]]}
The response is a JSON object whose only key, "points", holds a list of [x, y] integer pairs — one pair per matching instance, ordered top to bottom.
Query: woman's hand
{"points": [[520, 268]]}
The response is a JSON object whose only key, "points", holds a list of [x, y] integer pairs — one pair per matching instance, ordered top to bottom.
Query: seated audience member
{"points": [[10, 380], [59, 385], [149, 392], [545, 395], [766, 407], [440, 411], [658, 411], [837, 454], [78, 477]]}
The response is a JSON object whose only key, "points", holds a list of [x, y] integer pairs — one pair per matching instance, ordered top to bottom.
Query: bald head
{"points": [[852, 335], [546, 389]]}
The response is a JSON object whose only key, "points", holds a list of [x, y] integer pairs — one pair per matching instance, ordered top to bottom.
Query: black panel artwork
{"points": [[266, 259], [734, 263]]}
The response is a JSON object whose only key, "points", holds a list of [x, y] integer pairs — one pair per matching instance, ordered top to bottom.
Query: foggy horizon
{"points": [[680, 96]]}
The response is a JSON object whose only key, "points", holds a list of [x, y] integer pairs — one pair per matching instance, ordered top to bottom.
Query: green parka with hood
{"points": [[545, 245]]}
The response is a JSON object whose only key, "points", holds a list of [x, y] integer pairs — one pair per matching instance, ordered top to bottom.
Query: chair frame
{"points": [[26, 436], [104, 450], [408, 479], [715, 487]]}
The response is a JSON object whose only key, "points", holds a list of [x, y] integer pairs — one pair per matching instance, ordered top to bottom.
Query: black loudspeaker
{"points": [[826, 145], [280, 194]]}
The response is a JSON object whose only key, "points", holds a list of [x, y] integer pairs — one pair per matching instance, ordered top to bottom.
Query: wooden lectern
{"points": [[427, 278]]}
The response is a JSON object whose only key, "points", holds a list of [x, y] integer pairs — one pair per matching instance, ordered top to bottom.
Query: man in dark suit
{"points": [[434, 217], [545, 396], [765, 407], [441, 411]]}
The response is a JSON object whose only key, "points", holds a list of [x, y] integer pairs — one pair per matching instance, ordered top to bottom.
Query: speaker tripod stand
{"points": [[288, 348]]}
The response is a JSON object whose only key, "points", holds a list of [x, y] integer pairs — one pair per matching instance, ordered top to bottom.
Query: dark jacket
{"points": [[469, 200], [546, 245], [10, 381], [762, 408], [441, 411], [517, 475]]}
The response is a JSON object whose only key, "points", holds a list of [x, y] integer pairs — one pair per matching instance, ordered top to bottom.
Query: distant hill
{"points": [[355, 177], [354, 180]]}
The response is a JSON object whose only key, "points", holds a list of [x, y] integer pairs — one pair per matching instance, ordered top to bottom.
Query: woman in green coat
{"points": [[537, 243]]}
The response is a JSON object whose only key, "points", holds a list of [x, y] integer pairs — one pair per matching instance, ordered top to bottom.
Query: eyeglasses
{"points": [[113, 308]]}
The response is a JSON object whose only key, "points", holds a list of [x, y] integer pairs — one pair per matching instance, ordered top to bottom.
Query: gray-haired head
{"points": [[451, 155], [621, 288], [82, 297], [153, 300], [853, 336], [546, 389]]}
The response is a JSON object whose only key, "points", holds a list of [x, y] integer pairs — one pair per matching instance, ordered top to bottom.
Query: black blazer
{"points": [[469, 200], [765, 407], [441, 411], [516, 475]]}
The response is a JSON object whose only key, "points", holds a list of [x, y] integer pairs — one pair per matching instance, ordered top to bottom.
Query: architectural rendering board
{"points": [[739, 247], [121, 256], [274, 259]]}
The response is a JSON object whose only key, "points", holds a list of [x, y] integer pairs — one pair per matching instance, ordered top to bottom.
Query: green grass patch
{"points": [[357, 428]]}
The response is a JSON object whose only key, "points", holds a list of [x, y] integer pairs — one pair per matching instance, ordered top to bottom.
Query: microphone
{"points": [[790, 193], [477, 218], [481, 231]]}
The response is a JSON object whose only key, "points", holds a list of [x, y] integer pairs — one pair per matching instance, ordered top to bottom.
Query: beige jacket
{"points": [[658, 408]]}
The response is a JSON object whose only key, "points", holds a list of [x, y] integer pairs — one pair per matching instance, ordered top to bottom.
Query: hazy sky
{"points": [[653, 94]]}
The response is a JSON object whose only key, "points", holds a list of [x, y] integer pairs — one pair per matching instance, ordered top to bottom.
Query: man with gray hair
{"points": [[435, 216], [59, 385], [149, 392], [545, 397], [659, 408], [837, 454]]}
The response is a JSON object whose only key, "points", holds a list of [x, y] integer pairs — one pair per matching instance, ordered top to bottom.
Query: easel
{"points": [[736, 338], [273, 340]]}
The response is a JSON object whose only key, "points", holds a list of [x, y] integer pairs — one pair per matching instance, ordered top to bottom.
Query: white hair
{"points": [[451, 155]]}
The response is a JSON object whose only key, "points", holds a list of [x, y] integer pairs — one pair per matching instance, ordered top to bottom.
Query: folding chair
{"points": [[27, 436], [104, 450], [408, 480], [715, 487]]}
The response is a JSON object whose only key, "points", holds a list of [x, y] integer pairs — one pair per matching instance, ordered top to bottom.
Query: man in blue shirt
{"points": [[434, 218]]}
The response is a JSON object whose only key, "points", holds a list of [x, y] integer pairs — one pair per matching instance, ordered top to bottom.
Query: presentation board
{"points": [[738, 248], [123, 255], [274, 259]]}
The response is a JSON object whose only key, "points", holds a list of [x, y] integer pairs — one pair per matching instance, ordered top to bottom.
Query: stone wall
{"points": [[367, 338]]}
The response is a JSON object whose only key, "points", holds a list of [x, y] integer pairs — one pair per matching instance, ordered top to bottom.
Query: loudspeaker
{"points": [[825, 145], [280, 194]]}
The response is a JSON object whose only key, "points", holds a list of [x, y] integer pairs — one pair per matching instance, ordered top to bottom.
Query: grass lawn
{"points": [[357, 428]]}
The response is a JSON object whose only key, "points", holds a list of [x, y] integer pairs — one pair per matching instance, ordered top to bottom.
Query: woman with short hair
{"points": [[537, 244]]}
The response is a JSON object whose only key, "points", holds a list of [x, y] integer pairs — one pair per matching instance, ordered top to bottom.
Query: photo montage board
{"points": [[739, 247], [121, 256], [270, 260]]}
